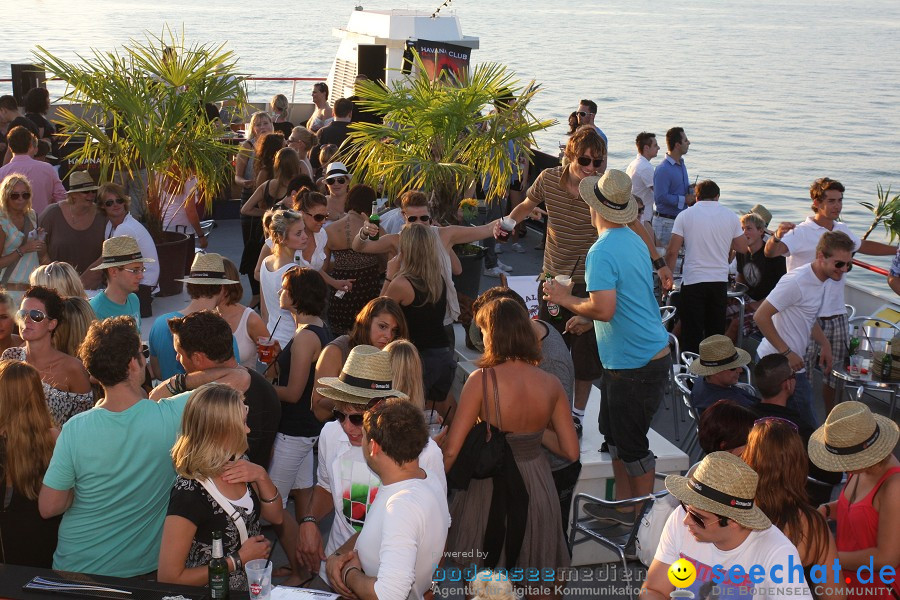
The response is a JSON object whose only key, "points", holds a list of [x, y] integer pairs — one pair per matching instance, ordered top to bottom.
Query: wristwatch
{"points": [[659, 263]]}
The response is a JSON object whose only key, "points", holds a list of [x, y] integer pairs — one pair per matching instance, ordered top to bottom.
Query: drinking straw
{"points": [[575, 268], [274, 328]]}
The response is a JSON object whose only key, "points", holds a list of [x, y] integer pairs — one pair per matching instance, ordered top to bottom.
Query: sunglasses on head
{"points": [[585, 161], [333, 180], [22, 195], [109, 203], [318, 218], [414, 218], [34, 314], [355, 419], [778, 420], [723, 521]]}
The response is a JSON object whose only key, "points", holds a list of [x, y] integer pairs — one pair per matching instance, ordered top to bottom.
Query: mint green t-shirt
{"points": [[105, 308], [121, 470]]}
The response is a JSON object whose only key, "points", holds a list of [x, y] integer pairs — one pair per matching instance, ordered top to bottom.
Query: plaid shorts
{"points": [[837, 330]]}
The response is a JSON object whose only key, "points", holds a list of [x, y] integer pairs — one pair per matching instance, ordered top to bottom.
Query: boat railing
{"points": [[873, 268]]}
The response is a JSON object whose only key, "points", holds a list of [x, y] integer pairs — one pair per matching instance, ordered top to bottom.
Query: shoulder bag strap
{"points": [[484, 401], [227, 506]]}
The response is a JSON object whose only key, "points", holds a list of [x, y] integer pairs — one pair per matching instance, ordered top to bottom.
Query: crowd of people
{"points": [[331, 393]]}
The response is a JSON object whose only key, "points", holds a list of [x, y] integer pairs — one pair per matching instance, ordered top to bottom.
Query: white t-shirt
{"points": [[641, 172], [392, 221], [708, 229], [801, 242], [797, 297], [344, 474], [404, 537], [768, 548]]}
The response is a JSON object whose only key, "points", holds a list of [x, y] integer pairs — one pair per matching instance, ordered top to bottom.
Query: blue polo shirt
{"points": [[670, 185], [619, 260]]}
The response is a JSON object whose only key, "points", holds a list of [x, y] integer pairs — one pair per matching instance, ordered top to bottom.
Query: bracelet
{"points": [[363, 237], [777, 239], [19, 252], [659, 263], [388, 279], [786, 352], [181, 382], [171, 387], [272, 499], [827, 510], [309, 519], [237, 561], [347, 572]]}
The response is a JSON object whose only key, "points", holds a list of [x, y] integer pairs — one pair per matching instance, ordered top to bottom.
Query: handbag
{"points": [[484, 448]]}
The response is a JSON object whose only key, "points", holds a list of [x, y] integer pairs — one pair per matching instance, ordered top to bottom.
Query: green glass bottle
{"points": [[375, 219], [552, 309], [854, 341], [886, 363], [218, 569]]}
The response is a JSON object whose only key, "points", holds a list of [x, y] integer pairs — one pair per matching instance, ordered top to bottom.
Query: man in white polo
{"points": [[641, 171]]}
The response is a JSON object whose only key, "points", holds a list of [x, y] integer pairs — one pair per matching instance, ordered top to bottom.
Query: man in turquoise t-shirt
{"points": [[123, 264], [631, 341], [111, 471]]}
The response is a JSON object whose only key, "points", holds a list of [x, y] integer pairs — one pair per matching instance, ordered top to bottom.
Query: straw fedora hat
{"points": [[81, 181], [610, 195], [762, 212], [120, 250], [208, 269], [717, 354], [366, 375], [852, 438], [724, 485]]}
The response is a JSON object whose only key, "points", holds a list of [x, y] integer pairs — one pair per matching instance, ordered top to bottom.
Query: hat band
{"points": [[77, 186], [607, 202], [123, 258], [207, 274], [720, 362], [366, 383], [855, 448], [720, 497]]}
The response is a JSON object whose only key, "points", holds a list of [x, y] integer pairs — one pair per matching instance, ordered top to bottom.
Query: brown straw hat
{"points": [[81, 181], [610, 195], [762, 212], [119, 251], [207, 269], [717, 354], [366, 375], [852, 438], [724, 485]]}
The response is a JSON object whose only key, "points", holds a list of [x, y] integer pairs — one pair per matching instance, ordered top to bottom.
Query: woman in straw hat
{"points": [[22, 248], [532, 408], [861, 444], [775, 451], [346, 485]]}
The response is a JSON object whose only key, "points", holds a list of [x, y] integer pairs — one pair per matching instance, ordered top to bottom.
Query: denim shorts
{"points": [[629, 399]]}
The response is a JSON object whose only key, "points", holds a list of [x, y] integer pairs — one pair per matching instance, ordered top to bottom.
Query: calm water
{"points": [[772, 94]]}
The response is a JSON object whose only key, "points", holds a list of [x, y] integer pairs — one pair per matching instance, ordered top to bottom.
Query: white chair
{"points": [[688, 357], [685, 383]]}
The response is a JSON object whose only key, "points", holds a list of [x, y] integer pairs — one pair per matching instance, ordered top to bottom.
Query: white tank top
{"points": [[246, 345]]}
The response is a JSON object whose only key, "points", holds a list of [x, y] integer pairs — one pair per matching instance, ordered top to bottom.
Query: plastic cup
{"points": [[507, 225], [563, 280], [265, 347], [856, 362], [435, 422], [259, 578]]}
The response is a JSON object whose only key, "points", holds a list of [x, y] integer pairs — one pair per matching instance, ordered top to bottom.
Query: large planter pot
{"points": [[173, 251], [469, 281]]}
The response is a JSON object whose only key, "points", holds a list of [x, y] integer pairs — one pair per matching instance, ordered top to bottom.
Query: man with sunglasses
{"points": [[586, 113], [46, 188], [672, 191], [798, 243], [123, 265], [788, 316], [730, 542]]}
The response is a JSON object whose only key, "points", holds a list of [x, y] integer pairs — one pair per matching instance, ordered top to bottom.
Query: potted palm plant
{"points": [[142, 117]]}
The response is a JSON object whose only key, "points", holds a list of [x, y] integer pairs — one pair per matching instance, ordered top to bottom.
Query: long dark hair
{"points": [[507, 332]]}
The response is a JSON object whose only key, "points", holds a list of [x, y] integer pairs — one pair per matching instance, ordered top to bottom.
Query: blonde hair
{"points": [[279, 104], [254, 118], [304, 136], [111, 187], [6, 188], [282, 220], [755, 220], [421, 262], [59, 276], [72, 328], [406, 369], [25, 424], [212, 431]]}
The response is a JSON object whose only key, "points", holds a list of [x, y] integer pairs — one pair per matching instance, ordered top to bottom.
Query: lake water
{"points": [[771, 94]]}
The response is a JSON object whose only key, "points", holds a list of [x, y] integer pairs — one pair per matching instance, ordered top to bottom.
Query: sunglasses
{"points": [[583, 114], [585, 161], [333, 180], [88, 192], [22, 195], [109, 203], [318, 218], [423, 218], [840, 264], [136, 270], [34, 314], [145, 350], [355, 419], [777, 420], [723, 521]]}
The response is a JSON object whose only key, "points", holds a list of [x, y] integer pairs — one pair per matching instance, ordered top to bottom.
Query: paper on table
{"points": [[291, 593]]}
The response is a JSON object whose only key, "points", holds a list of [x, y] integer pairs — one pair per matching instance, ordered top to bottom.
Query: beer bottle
{"points": [[375, 219], [552, 309], [854, 341], [886, 363], [218, 569]]}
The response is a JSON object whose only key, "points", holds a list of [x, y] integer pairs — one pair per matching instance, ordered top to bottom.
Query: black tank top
{"points": [[426, 321], [297, 419]]}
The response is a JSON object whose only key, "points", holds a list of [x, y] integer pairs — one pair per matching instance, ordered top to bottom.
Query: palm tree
{"points": [[142, 107], [442, 136]]}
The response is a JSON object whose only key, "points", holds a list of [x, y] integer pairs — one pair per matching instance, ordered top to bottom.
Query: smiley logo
{"points": [[682, 573]]}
